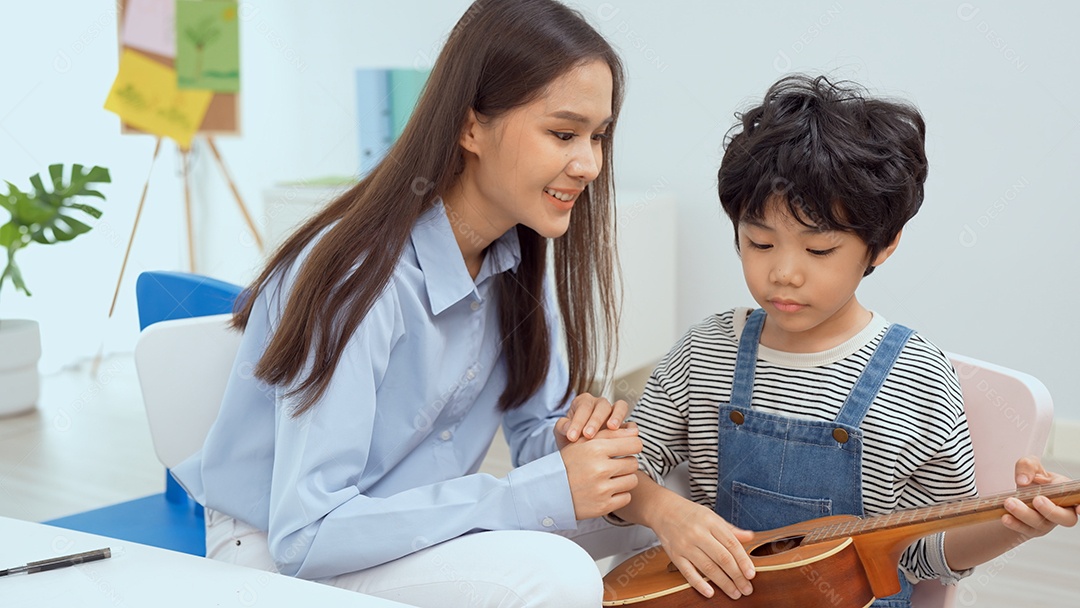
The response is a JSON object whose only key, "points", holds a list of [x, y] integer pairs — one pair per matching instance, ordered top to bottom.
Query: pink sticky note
{"points": [[150, 25]]}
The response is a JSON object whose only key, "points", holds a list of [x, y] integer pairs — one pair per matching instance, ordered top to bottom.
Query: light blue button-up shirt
{"points": [[386, 462]]}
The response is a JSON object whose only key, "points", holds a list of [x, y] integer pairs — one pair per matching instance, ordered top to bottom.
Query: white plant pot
{"points": [[20, 349]]}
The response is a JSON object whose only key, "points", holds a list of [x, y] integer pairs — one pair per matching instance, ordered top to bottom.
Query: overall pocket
{"points": [[757, 509]]}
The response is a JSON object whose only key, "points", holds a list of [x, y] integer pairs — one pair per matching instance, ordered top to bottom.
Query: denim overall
{"points": [[775, 470]]}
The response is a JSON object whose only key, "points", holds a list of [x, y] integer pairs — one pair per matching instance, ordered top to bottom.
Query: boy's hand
{"points": [[587, 416], [1043, 516], [705, 547]]}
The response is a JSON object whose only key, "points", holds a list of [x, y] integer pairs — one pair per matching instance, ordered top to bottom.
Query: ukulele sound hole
{"points": [[777, 546]]}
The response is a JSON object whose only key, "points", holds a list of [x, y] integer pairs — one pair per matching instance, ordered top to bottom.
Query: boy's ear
{"points": [[470, 133], [887, 251]]}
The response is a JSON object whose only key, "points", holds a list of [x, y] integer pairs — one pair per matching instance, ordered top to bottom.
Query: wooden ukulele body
{"points": [[828, 574]]}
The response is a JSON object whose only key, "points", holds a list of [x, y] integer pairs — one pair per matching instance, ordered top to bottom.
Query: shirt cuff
{"points": [[541, 495], [935, 555]]}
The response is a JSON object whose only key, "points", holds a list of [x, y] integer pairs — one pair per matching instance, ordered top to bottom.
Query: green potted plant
{"points": [[44, 215]]}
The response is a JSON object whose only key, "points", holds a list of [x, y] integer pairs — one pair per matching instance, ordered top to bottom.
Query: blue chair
{"points": [[170, 520]]}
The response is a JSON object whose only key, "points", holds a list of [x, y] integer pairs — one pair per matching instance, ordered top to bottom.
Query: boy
{"points": [[818, 183]]}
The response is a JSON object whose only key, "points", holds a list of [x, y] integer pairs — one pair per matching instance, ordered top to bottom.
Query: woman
{"points": [[390, 336]]}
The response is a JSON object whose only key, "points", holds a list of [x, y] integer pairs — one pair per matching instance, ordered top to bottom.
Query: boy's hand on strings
{"points": [[587, 416], [599, 471], [1043, 515], [705, 547]]}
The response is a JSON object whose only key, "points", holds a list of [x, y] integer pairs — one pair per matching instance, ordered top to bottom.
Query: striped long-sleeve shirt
{"points": [[916, 448]]}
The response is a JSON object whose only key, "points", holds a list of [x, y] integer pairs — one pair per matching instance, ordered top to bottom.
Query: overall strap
{"points": [[871, 379], [742, 383]]}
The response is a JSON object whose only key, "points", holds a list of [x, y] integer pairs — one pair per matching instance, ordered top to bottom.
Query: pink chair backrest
{"points": [[1009, 414]]}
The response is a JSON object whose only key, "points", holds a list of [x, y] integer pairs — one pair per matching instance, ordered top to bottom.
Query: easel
{"points": [[222, 117], [185, 158]]}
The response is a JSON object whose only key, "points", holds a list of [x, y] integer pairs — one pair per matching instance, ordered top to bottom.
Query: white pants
{"points": [[505, 569]]}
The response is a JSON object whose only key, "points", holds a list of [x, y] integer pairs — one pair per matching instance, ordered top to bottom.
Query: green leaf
{"points": [[56, 173], [99, 175], [35, 181], [79, 181], [9, 200], [86, 209], [30, 211], [43, 214], [74, 225], [60, 234], [10, 235], [13, 271]]}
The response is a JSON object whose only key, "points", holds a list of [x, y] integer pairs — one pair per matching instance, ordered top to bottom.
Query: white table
{"points": [[138, 575]]}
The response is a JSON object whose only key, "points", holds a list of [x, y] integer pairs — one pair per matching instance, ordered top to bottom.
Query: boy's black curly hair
{"points": [[839, 159]]}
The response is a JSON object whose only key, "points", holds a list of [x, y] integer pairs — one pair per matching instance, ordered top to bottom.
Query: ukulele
{"points": [[842, 561]]}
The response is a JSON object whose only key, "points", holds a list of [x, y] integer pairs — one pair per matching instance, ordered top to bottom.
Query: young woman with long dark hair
{"points": [[390, 336]]}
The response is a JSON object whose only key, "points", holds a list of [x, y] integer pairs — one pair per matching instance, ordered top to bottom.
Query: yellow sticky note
{"points": [[146, 97]]}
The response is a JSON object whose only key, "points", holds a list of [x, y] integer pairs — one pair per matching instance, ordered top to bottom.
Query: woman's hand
{"points": [[587, 416], [602, 471], [1043, 515]]}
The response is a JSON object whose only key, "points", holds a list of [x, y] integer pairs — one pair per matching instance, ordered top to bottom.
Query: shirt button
{"points": [[475, 305], [469, 375], [445, 435], [548, 522]]}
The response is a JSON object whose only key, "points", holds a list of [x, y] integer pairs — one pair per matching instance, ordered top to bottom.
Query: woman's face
{"points": [[529, 165]]}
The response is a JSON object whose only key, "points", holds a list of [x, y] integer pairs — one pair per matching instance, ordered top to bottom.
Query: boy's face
{"points": [[805, 279]]}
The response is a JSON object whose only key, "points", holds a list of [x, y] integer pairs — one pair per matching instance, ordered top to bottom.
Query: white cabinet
{"points": [[285, 207]]}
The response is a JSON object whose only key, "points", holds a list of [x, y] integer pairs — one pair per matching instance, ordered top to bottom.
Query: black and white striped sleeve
{"points": [[662, 415]]}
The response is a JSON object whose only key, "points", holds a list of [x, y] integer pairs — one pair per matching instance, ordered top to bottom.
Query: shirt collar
{"points": [[446, 278]]}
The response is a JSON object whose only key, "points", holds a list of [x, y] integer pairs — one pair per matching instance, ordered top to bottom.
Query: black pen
{"points": [[59, 562]]}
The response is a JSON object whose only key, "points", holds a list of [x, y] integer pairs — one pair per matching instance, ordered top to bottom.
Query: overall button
{"points": [[737, 417], [840, 435]]}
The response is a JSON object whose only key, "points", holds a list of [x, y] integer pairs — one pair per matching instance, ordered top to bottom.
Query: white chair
{"points": [[183, 367], [1009, 414]]}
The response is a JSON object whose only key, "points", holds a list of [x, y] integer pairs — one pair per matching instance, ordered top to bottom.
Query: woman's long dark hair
{"points": [[500, 55]]}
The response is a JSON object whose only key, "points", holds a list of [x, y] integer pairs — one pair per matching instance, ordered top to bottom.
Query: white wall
{"points": [[983, 270]]}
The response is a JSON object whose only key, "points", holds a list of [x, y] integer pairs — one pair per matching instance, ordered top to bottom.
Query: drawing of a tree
{"points": [[201, 35]]}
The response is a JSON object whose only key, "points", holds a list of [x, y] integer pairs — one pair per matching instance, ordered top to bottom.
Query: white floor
{"points": [[87, 445]]}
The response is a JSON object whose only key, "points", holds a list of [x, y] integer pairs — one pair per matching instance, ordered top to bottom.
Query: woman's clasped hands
{"points": [[597, 448]]}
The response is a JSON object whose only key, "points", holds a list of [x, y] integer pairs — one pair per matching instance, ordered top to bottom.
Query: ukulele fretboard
{"points": [[1064, 494]]}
